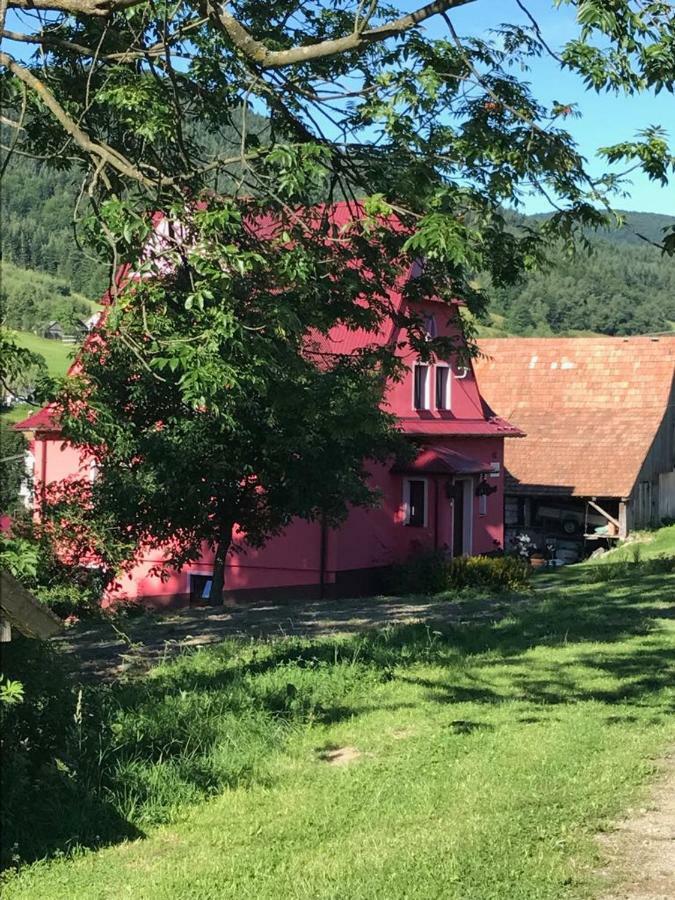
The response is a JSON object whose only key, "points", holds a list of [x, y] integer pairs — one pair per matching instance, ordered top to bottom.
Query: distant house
{"points": [[71, 333], [599, 453], [449, 498]]}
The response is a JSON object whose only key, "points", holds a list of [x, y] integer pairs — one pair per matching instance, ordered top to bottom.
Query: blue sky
{"points": [[606, 118]]}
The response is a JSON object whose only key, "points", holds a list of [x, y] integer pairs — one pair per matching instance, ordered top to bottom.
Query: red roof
{"points": [[590, 408], [42, 420], [489, 427], [444, 461]]}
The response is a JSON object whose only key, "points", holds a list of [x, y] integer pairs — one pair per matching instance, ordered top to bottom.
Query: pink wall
{"points": [[465, 396], [379, 537], [370, 538]]}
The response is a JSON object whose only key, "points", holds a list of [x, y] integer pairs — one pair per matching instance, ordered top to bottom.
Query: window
{"points": [[430, 326], [443, 382], [421, 386], [416, 502], [482, 504], [200, 587]]}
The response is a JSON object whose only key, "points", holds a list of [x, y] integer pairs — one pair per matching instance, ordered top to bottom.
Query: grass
{"points": [[57, 355], [58, 358], [649, 545], [489, 754]]}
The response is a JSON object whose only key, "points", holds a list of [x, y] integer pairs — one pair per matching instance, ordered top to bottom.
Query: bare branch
{"points": [[102, 8], [537, 31], [45, 39], [256, 51], [15, 136], [98, 150]]}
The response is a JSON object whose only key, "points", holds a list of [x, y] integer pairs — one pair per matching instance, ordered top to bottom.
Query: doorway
{"points": [[461, 495]]}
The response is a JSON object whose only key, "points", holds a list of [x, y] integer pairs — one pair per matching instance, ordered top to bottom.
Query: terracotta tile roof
{"points": [[590, 408]]}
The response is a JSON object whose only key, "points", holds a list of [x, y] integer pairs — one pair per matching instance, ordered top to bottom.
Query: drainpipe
{"points": [[43, 476], [436, 513], [322, 557]]}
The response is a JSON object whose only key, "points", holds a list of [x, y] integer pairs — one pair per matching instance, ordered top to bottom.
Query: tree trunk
{"points": [[219, 560]]}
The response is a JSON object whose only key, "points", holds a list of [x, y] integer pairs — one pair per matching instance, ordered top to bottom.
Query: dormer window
{"points": [[430, 327], [421, 386], [443, 387]]}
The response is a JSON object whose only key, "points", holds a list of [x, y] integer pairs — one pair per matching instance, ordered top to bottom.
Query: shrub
{"points": [[424, 573], [431, 573], [499, 573], [65, 589]]}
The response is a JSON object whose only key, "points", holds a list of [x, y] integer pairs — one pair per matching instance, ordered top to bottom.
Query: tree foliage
{"points": [[204, 362]]}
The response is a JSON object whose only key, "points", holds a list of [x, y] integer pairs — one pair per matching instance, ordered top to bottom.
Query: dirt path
{"points": [[107, 649], [642, 848]]}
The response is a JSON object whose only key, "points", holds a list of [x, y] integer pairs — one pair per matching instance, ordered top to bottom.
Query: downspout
{"points": [[43, 476], [436, 513], [322, 557]]}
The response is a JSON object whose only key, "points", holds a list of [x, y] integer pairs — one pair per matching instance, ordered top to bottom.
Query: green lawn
{"points": [[57, 355], [58, 358], [651, 545], [489, 754]]}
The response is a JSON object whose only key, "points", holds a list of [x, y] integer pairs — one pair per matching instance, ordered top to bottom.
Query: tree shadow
{"points": [[211, 718], [51, 801]]}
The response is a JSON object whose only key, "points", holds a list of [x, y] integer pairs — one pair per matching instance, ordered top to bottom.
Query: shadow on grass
{"points": [[95, 765]]}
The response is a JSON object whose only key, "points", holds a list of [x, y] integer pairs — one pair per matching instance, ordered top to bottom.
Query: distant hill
{"points": [[639, 225], [639, 228], [626, 287], [31, 299]]}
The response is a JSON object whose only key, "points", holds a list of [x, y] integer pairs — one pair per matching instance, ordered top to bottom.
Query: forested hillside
{"points": [[37, 226], [625, 287], [621, 288], [30, 299]]}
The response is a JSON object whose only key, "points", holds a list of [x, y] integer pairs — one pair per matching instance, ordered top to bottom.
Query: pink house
{"points": [[450, 498]]}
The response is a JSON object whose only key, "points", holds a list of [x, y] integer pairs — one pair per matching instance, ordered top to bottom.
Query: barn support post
{"points": [[603, 512], [623, 519]]}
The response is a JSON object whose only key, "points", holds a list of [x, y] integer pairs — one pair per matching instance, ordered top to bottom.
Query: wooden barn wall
{"points": [[651, 493]]}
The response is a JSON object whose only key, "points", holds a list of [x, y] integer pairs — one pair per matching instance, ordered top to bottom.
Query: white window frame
{"points": [[427, 368], [448, 387], [406, 502]]}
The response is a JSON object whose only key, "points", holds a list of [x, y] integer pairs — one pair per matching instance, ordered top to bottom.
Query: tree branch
{"points": [[101, 8], [46, 39], [256, 51], [81, 138]]}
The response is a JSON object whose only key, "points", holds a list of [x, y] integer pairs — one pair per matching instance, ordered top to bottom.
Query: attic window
{"points": [[430, 326], [443, 382], [421, 386]]}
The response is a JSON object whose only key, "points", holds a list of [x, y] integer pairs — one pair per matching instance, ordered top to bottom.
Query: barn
{"points": [[598, 458]]}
